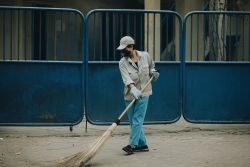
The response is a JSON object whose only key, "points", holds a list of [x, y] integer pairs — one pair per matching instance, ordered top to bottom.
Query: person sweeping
{"points": [[136, 68]]}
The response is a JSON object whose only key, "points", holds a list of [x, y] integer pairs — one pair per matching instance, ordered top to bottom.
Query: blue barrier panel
{"points": [[104, 29], [42, 66], [216, 68], [41, 93], [217, 93], [105, 98]]}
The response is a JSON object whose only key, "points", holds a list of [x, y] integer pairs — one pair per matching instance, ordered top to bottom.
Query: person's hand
{"points": [[155, 74], [135, 92]]}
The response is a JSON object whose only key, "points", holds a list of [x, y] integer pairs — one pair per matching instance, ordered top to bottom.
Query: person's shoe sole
{"points": [[142, 150], [127, 151]]}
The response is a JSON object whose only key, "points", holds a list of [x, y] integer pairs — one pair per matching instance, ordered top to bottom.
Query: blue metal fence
{"points": [[107, 27], [31, 33], [215, 36], [53, 61], [42, 67], [216, 67], [105, 87]]}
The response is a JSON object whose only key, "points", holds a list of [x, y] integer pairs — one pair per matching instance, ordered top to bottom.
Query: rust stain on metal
{"points": [[47, 116]]}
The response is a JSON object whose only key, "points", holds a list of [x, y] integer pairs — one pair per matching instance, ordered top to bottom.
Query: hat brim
{"points": [[121, 47]]}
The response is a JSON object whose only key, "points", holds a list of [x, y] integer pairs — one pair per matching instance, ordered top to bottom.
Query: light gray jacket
{"points": [[139, 76]]}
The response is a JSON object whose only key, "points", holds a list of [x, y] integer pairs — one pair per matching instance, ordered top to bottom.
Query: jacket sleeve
{"points": [[125, 75]]}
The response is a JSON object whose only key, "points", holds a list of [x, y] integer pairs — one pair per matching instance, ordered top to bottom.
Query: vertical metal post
{"points": [[4, 24], [128, 24], [55, 26], [114, 27], [121, 27], [135, 27], [147, 30], [11, 34], [33, 34], [40, 34], [18, 35], [25, 35], [47, 35], [108, 35], [230, 35], [68, 36], [101, 36], [94, 37], [161, 37], [191, 37], [204, 37], [210, 37], [154, 38], [167, 38], [217, 38], [243, 38], [141, 39], [197, 39], [249, 39], [61, 40], [75, 42], [236, 42], [173, 43], [223, 44], [94, 51], [86, 128]]}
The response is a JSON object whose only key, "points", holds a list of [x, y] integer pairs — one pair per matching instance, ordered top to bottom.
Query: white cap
{"points": [[125, 41]]}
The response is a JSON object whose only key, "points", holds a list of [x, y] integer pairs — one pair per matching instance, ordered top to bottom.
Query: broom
{"points": [[81, 158]]}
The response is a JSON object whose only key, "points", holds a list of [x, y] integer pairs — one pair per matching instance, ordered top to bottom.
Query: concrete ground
{"points": [[173, 145]]}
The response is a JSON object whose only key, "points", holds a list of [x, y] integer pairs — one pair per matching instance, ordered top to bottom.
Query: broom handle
{"points": [[132, 102]]}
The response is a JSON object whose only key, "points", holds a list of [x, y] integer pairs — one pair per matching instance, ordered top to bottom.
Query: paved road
{"points": [[172, 145]]}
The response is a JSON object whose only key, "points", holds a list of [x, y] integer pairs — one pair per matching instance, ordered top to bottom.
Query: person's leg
{"points": [[130, 112], [137, 137], [142, 139]]}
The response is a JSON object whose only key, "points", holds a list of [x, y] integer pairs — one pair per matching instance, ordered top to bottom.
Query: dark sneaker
{"points": [[142, 148], [128, 149]]}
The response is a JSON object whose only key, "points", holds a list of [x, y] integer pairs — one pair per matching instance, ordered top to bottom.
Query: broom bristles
{"points": [[81, 158]]}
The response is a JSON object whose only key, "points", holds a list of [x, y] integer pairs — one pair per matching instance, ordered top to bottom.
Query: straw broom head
{"points": [[81, 158]]}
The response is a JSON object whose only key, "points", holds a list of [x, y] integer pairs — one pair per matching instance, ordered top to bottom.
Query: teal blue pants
{"points": [[136, 115]]}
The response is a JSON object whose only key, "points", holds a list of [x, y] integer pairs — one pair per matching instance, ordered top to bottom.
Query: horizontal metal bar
{"points": [[39, 8], [131, 11], [216, 12], [41, 61], [117, 62], [217, 62]]}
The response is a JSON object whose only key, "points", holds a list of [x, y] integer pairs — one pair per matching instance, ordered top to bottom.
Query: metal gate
{"points": [[153, 31], [53, 61], [216, 68], [42, 73]]}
